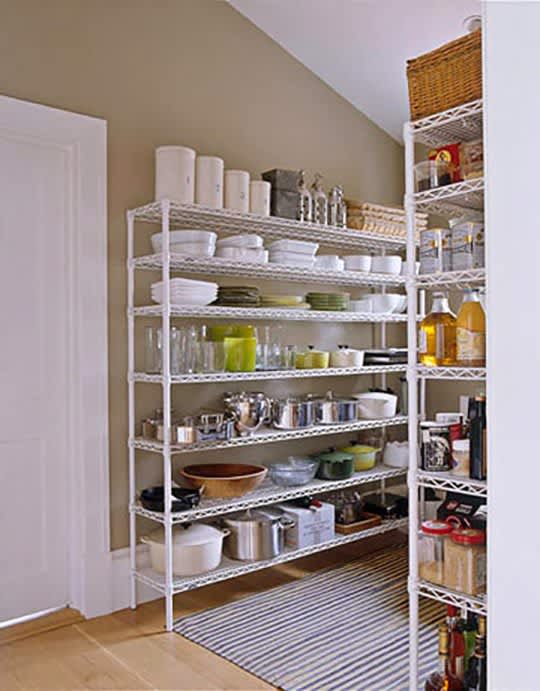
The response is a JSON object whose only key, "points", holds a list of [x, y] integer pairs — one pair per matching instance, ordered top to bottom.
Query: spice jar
{"points": [[461, 457], [431, 549], [465, 561]]}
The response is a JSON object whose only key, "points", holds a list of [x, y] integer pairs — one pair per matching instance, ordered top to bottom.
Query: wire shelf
{"points": [[460, 124], [460, 199], [230, 222], [214, 266], [451, 279], [263, 313], [465, 373], [216, 377], [269, 436], [450, 483], [268, 493], [231, 568], [451, 597]]}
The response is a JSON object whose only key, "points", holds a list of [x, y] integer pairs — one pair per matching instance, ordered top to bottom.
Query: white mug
{"points": [[237, 190], [259, 197]]}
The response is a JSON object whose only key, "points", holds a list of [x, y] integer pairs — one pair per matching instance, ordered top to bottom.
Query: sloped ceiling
{"points": [[360, 47]]}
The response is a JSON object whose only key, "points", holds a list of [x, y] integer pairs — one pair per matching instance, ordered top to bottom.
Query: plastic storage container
{"points": [[430, 174], [431, 550], [465, 561]]}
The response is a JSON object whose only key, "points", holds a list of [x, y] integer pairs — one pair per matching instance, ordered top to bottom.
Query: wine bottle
{"points": [[478, 445], [456, 645], [476, 676], [442, 679]]}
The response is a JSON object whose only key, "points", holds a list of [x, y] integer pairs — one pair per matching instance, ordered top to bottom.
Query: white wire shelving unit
{"points": [[465, 200], [168, 214]]}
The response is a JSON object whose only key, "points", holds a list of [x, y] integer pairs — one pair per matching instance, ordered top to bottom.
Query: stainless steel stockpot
{"points": [[331, 409], [251, 410], [293, 413], [255, 535]]}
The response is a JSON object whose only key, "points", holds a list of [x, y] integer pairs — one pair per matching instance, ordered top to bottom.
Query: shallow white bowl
{"points": [[357, 262], [389, 264], [187, 282], [385, 303], [362, 305]]}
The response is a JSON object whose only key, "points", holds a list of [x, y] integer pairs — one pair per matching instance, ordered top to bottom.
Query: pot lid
{"points": [[335, 457], [258, 516], [436, 528], [194, 534]]}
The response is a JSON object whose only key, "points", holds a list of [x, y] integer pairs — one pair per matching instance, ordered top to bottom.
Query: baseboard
{"points": [[120, 580]]}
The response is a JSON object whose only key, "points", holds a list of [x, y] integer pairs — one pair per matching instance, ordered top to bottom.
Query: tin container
{"points": [[462, 248], [446, 249], [430, 251], [436, 450]]}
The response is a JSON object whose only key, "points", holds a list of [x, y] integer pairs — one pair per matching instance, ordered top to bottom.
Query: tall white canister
{"points": [[175, 174], [209, 181], [237, 190], [259, 197]]}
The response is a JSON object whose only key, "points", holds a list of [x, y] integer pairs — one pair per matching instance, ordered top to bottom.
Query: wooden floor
{"points": [[130, 650]]}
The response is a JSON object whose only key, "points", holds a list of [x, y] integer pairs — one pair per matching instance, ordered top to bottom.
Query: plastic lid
{"points": [[461, 444], [436, 528], [468, 536]]}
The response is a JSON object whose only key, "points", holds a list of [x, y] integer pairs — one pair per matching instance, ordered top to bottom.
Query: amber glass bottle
{"points": [[471, 331], [437, 341], [443, 679]]}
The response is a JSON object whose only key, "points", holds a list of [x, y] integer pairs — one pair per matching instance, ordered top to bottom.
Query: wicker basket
{"points": [[446, 77]]}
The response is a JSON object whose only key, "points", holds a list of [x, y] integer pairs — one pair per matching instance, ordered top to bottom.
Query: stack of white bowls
{"points": [[191, 243], [242, 248], [293, 253], [329, 262], [185, 291]]}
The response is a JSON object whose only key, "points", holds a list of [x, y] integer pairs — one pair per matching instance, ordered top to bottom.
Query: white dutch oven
{"points": [[373, 405], [196, 549]]}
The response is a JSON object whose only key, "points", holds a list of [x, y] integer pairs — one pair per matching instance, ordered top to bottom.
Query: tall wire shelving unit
{"points": [[462, 199], [168, 213]]}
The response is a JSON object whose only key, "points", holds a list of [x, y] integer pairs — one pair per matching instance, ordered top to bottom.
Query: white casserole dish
{"points": [[245, 241], [296, 246], [241, 254], [292, 259], [329, 262], [357, 262], [389, 264], [374, 405], [196, 549]]}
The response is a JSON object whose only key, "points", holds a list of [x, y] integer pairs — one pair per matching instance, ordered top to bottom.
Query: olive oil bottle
{"points": [[437, 338]]}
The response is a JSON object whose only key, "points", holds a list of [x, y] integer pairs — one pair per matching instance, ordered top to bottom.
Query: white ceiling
{"points": [[359, 47]]}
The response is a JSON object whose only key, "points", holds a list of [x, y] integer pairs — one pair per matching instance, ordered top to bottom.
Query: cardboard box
{"points": [[312, 526]]}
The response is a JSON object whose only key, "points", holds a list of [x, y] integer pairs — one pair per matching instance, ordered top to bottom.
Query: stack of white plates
{"points": [[191, 243], [242, 248], [293, 253], [185, 291]]}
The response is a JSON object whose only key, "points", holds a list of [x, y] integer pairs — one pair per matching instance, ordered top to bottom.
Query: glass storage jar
{"points": [[431, 548], [465, 561]]}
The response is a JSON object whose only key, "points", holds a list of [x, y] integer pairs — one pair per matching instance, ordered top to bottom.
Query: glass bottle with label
{"points": [[320, 201], [305, 203], [471, 332], [437, 338], [443, 679]]}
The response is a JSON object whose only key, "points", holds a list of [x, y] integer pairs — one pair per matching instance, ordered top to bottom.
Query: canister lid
{"points": [[436, 528], [468, 536]]}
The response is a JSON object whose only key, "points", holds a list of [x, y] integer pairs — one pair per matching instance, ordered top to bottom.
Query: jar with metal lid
{"points": [[431, 549], [465, 561]]}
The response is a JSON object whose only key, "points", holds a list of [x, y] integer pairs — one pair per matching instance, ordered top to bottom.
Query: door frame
{"points": [[84, 140]]}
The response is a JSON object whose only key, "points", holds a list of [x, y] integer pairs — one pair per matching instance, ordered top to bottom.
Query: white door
{"points": [[37, 218]]}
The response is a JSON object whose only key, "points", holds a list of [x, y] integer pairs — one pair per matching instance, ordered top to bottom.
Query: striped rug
{"points": [[343, 629]]}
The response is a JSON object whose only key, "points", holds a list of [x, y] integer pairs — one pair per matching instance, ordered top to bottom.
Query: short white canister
{"points": [[175, 174], [209, 181], [237, 190], [259, 197]]}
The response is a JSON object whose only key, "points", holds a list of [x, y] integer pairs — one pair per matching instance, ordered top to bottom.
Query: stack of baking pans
{"points": [[238, 296], [329, 302]]}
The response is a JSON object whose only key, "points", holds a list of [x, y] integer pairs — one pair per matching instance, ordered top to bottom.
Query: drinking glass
{"points": [[152, 350], [240, 354], [211, 356]]}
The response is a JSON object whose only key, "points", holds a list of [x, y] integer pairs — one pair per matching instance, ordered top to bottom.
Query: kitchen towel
{"points": [[343, 629]]}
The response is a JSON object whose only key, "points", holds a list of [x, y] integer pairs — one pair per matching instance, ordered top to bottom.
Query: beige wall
{"points": [[191, 72]]}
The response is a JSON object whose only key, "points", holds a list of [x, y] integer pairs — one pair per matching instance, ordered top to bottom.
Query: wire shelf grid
{"points": [[460, 124], [459, 199], [230, 222], [451, 279], [464, 373], [268, 436], [450, 483], [268, 493], [230, 568], [451, 597]]}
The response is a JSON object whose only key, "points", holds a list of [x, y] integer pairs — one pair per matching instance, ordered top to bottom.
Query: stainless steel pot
{"points": [[331, 409], [250, 410], [293, 413], [256, 535]]}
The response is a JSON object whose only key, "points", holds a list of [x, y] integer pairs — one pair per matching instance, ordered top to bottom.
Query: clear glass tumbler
{"points": [[152, 350]]}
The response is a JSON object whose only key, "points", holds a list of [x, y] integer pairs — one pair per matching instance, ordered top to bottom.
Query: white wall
{"points": [[512, 68]]}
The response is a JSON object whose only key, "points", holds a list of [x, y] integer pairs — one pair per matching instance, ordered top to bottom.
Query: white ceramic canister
{"points": [[175, 174], [209, 181], [237, 190], [259, 197]]}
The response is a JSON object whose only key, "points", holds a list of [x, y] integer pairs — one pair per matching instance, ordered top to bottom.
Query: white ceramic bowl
{"points": [[199, 237], [243, 241], [296, 246], [241, 254], [329, 262], [357, 262], [390, 264], [187, 282], [386, 303], [362, 305], [375, 405]]}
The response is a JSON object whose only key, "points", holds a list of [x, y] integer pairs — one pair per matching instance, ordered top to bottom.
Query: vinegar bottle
{"points": [[471, 332], [437, 346]]}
